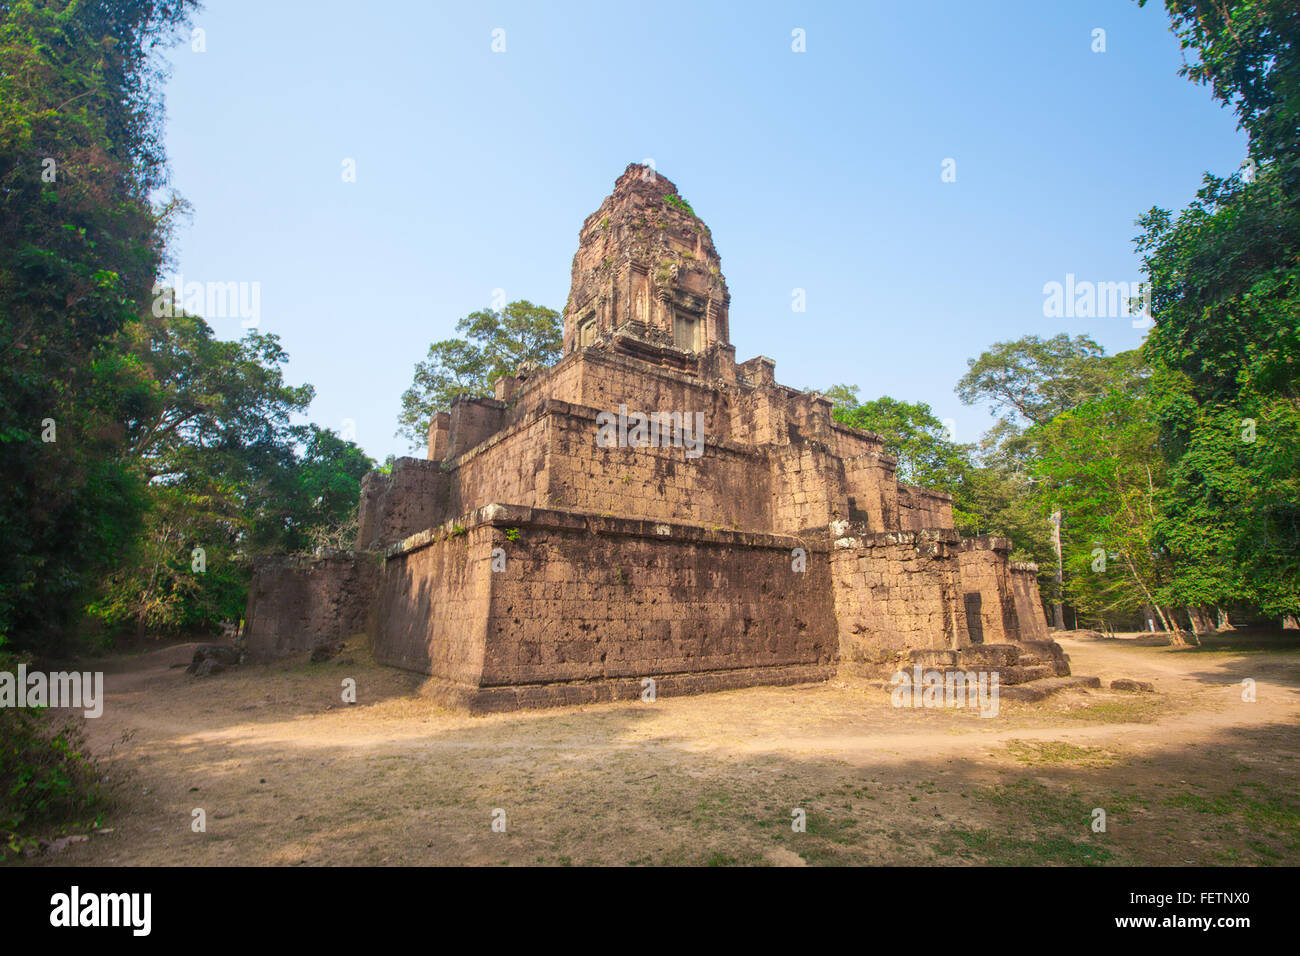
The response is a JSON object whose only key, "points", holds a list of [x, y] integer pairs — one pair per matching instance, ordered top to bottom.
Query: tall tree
{"points": [[80, 244], [1225, 281], [494, 344], [1029, 383], [919, 440], [1098, 465], [225, 473]]}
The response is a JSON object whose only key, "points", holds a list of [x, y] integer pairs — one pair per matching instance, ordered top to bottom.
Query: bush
{"points": [[47, 777]]}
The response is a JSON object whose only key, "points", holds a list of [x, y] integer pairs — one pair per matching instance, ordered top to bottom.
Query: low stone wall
{"points": [[895, 592], [295, 604], [582, 607]]}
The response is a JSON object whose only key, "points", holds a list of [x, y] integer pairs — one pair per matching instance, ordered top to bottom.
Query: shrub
{"points": [[47, 777]]}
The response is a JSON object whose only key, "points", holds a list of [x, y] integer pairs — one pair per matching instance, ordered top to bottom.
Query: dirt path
{"points": [[286, 773]]}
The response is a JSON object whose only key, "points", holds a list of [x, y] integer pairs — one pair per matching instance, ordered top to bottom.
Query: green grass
{"points": [[1140, 710], [1035, 754], [1043, 826]]}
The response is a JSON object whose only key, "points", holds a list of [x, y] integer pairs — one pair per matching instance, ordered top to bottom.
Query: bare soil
{"points": [[286, 773]]}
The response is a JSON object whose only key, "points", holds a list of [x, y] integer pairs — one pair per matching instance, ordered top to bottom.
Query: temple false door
{"points": [[686, 332], [974, 618]]}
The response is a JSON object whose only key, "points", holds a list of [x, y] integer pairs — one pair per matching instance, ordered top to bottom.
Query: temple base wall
{"points": [[897, 592], [1029, 603], [582, 607]]}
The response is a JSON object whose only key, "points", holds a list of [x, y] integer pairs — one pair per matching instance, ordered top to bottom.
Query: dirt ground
{"points": [[286, 773]]}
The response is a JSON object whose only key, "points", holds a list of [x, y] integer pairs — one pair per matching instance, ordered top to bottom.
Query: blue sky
{"points": [[818, 171]]}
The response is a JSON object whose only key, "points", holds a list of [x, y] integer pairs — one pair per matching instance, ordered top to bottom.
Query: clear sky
{"points": [[819, 171]]}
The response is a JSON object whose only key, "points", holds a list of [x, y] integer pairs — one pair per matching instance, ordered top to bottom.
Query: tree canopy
{"points": [[495, 343], [127, 439]]}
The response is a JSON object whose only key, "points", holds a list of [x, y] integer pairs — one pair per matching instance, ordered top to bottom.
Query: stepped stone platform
{"points": [[650, 516]]}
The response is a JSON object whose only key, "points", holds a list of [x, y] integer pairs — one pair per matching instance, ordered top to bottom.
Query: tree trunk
{"points": [[1058, 608], [1201, 623], [1289, 623], [1224, 624], [1172, 628]]}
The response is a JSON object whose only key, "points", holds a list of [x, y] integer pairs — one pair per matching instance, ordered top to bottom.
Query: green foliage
{"points": [[1248, 53], [677, 202], [80, 246], [1225, 280], [1226, 287], [494, 344], [1031, 380], [207, 428], [914, 436], [164, 438], [1180, 463], [1099, 465], [998, 501], [47, 777]]}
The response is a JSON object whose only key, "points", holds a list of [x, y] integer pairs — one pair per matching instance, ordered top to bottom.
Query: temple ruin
{"points": [[648, 508]]}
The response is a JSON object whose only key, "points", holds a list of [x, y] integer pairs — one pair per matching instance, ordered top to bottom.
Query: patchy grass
{"points": [[1144, 709], [1035, 754], [1252, 816], [1038, 826]]}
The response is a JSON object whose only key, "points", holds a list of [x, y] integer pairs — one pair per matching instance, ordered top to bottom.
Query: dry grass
{"points": [[288, 774]]}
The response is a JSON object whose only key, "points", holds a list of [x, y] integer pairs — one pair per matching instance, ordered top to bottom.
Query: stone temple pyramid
{"points": [[648, 509]]}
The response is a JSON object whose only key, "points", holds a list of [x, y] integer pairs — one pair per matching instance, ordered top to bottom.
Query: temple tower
{"points": [[646, 278]]}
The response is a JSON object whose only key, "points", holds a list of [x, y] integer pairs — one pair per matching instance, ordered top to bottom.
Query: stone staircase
{"points": [[1029, 670]]}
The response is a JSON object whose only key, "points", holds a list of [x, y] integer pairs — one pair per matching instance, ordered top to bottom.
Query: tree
{"points": [[1248, 52], [80, 244], [1225, 282], [495, 344], [1030, 381], [914, 436], [1098, 464], [225, 475], [313, 499]]}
